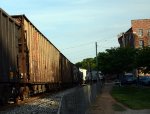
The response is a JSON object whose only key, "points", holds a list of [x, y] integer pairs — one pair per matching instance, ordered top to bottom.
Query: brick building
{"points": [[137, 36]]}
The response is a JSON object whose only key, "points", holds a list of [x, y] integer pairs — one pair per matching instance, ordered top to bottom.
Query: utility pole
{"points": [[96, 54], [96, 58], [90, 71]]}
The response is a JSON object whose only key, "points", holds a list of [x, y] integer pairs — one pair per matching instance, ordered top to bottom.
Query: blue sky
{"points": [[74, 26]]}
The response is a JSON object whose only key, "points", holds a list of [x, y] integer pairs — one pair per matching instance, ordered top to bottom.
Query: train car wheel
{"points": [[24, 92], [16, 100]]}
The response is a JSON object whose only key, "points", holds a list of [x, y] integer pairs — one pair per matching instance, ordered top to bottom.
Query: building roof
{"points": [[140, 19], [129, 30]]}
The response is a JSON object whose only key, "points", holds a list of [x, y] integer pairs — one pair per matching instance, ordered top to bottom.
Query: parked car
{"points": [[128, 79], [144, 80]]}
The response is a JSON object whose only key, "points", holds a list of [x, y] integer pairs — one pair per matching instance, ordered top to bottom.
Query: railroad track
{"points": [[42, 104]]}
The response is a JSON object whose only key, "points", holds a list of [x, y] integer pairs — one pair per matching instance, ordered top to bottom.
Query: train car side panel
{"points": [[9, 35], [8, 48], [43, 56], [66, 71]]}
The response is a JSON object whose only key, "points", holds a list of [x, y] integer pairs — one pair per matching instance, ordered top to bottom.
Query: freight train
{"points": [[29, 62]]}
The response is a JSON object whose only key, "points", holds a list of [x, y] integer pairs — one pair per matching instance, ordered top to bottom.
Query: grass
{"points": [[133, 97], [117, 107]]}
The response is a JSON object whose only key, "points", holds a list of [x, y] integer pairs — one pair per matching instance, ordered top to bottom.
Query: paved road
{"points": [[104, 102]]}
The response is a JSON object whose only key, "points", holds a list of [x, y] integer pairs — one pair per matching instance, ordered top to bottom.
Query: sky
{"points": [[74, 26]]}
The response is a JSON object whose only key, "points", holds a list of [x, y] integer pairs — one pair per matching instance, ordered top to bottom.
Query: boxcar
{"points": [[9, 34], [39, 57], [29, 62], [66, 71], [77, 75]]}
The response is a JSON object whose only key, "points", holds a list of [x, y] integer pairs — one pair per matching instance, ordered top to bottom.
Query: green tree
{"points": [[143, 59], [116, 60], [119, 60], [87, 63], [79, 64]]}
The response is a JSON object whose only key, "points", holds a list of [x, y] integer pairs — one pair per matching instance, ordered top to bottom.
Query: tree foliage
{"points": [[143, 59], [116, 60], [119, 60], [87, 63]]}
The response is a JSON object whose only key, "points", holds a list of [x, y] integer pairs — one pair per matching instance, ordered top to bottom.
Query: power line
{"points": [[85, 44], [76, 46], [83, 50], [83, 57]]}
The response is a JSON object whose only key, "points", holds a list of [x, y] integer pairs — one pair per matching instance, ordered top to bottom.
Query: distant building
{"points": [[137, 36], [84, 71]]}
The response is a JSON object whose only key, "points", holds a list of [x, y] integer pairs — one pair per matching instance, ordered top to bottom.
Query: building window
{"points": [[140, 32], [148, 32], [141, 43]]}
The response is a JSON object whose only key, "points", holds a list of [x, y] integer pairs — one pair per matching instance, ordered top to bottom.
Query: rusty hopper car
{"points": [[9, 34], [29, 62], [40, 67], [66, 71], [77, 75]]}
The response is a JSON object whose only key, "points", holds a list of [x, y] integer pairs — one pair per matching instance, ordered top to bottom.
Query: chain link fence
{"points": [[78, 100]]}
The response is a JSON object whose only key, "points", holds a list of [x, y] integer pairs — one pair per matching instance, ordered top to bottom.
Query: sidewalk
{"points": [[104, 104]]}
